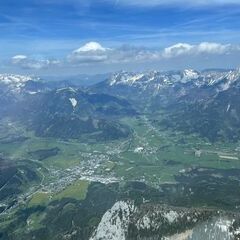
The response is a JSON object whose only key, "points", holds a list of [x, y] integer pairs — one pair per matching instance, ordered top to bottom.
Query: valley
{"points": [[151, 156], [78, 159]]}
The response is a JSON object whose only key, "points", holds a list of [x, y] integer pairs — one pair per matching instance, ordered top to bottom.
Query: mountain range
{"points": [[204, 102]]}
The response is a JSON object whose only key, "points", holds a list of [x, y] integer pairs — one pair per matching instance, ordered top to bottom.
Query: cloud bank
{"points": [[202, 48], [94, 52], [93, 55], [25, 62]]}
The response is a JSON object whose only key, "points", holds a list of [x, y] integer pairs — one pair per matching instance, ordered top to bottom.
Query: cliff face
{"points": [[126, 221], [115, 222]]}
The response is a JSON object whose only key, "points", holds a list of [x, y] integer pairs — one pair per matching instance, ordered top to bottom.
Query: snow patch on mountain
{"points": [[189, 74], [233, 75], [153, 77], [125, 78], [142, 80], [228, 80], [66, 89], [73, 102], [228, 107]]}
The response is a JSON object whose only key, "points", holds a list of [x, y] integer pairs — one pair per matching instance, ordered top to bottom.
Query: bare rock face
{"points": [[126, 221], [115, 222]]}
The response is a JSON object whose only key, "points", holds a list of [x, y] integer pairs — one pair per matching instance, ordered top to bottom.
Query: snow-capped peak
{"points": [[189, 74], [125, 78]]}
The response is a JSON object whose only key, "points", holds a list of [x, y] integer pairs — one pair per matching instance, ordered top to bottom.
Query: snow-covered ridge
{"points": [[233, 75], [124, 78], [130, 78], [160, 79], [225, 81], [15, 82]]}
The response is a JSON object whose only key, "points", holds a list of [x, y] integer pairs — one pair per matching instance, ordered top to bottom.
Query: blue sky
{"points": [[47, 33]]}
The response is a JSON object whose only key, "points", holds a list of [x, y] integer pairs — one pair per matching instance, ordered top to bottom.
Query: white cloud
{"points": [[182, 3], [91, 47], [202, 48], [213, 48], [177, 49], [88, 53], [95, 53], [127, 53], [95, 56], [18, 58], [24, 61]]}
